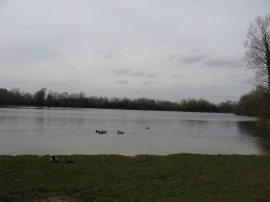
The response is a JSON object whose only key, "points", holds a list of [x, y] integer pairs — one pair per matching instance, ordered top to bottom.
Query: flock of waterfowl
{"points": [[101, 132], [119, 132], [55, 159]]}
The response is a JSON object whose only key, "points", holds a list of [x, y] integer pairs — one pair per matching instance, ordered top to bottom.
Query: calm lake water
{"points": [[73, 131]]}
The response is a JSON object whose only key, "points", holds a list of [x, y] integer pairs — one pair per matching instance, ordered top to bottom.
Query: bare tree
{"points": [[258, 53]]}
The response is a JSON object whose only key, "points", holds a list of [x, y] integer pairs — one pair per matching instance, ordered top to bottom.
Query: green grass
{"points": [[180, 177]]}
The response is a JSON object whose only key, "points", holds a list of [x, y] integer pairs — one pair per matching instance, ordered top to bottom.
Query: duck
{"points": [[101, 132], [120, 132], [54, 159]]}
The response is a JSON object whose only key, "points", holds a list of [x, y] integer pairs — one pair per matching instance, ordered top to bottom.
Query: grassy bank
{"points": [[181, 177]]}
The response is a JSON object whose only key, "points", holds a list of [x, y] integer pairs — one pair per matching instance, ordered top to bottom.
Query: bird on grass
{"points": [[54, 159]]}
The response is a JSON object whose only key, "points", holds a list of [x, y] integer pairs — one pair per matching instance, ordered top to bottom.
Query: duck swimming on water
{"points": [[101, 132], [120, 132]]}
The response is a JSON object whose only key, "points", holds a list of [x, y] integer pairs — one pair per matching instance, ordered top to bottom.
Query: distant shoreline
{"points": [[15, 97]]}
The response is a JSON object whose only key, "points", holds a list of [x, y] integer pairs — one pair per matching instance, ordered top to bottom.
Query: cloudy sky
{"points": [[160, 49]]}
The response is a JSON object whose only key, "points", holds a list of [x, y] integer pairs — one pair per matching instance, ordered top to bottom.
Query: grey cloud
{"points": [[112, 53], [173, 57], [193, 57], [206, 59], [223, 62], [123, 71], [129, 72], [138, 73], [152, 75], [176, 76], [236, 78], [239, 78], [122, 81], [149, 83]]}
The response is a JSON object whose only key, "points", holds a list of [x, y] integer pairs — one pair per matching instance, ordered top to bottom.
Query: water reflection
{"points": [[258, 134]]}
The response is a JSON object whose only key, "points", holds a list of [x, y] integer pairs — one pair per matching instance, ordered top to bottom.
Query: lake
{"points": [[30, 130]]}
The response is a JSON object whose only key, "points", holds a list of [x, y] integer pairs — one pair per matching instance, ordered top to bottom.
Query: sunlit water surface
{"points": [[73, 131]]}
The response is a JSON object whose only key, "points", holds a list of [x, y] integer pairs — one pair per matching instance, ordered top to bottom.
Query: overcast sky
{"points": [[160, 49]]}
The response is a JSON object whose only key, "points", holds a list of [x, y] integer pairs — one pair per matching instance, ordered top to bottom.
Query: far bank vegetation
{"points": [[15, 97]]}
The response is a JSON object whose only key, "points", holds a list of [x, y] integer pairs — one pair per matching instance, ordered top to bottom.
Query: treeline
{"points": [[64, 99], [255, 103]]}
